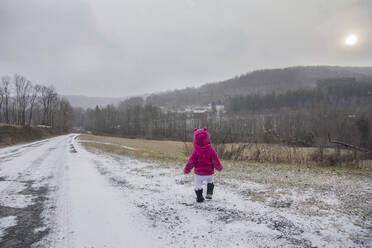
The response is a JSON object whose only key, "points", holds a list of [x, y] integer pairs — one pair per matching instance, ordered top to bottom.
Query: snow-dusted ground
{"points": [[107, 143], [55, 193]]}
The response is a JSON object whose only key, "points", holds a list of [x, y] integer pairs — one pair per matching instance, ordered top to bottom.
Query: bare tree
{"points": [[22, 87], [6, 90], [33, 97], [48, 98], [1, 101], [23, 103], [44, 103], [53, 107], [65, 114]]}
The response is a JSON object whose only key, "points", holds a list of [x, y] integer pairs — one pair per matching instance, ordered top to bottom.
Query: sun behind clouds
{"points": [[351, 40]]}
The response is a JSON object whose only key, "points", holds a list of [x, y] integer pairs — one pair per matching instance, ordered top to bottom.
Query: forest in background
{"points": [[25, 103]]}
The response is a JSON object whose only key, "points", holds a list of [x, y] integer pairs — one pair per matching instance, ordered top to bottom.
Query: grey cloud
{"points": [[116, 48]]}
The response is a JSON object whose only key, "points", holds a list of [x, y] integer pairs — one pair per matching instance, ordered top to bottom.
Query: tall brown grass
{"points": [[276, 153]]}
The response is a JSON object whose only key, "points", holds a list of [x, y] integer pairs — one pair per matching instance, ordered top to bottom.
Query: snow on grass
{"points": [[107, 143], [283, 206], [175, 215], [5, 223]]}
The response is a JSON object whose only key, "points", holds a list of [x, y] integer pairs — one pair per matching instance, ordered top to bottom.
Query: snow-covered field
{"points": [[56, 193]]}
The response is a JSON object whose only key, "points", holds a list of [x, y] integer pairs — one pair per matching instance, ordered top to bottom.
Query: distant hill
{"points": [[258, 82], [91, 102]]}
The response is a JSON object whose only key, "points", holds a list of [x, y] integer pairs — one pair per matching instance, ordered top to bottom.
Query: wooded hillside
{"points": [[258, 82]]}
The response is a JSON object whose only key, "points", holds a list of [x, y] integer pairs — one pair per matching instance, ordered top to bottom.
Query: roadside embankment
{"points": [[12, 134]]}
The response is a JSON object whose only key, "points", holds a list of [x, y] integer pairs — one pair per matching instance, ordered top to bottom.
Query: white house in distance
{"points": [[220, 109]]}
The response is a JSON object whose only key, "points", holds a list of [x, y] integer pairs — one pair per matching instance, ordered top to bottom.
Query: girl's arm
{"points": [[216, 161], [191, 163]]}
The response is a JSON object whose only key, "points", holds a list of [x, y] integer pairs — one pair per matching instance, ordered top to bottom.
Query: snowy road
{"points": [[55, 193], [54, 197]]}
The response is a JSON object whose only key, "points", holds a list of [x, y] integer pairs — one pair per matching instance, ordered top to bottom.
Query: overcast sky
{"points": [[127, 47]]}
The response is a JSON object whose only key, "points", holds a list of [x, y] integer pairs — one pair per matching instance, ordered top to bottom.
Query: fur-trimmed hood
{"points": [[201, 138]]}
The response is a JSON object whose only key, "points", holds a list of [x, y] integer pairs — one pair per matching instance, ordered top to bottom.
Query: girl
{"points": [[204, 158]]}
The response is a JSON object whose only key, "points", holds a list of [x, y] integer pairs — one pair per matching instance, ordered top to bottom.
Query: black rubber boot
{"points": [[210, 187], [199, 195]]}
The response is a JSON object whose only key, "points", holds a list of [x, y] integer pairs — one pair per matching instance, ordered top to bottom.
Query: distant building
{"points": [[194, 109]]}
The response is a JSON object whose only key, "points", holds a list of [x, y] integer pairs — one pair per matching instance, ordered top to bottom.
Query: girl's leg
{"points": [[210, 179], [198, 182], [199, 188]]}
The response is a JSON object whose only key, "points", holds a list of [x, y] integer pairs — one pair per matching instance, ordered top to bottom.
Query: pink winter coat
{"points": [[204, 158]]}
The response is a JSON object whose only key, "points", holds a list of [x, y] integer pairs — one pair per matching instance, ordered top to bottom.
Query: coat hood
{"points": [[201, 138]]}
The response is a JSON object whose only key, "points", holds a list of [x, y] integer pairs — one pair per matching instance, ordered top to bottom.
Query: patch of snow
{"points": [[107, 143], [31, 163], [10, 195], [331, 199], [5, 223], [40, 229]]}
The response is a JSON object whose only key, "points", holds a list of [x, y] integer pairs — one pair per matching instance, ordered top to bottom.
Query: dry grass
{"points": [[10, 125], [13, 134], [171, 151], [264, 153], [276, 153]]}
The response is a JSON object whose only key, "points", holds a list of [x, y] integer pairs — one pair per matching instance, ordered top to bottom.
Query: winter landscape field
{"points": [[114, 113], [90, 191]]}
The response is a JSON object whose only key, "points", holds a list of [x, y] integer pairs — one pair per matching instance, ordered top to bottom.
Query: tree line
{"points": [[25, 103], [339, 108], [132, 118]]}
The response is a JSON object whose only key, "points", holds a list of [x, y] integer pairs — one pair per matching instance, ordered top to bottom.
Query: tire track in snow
{"points": [[9, 153], [28, 180], [90, 212]]}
